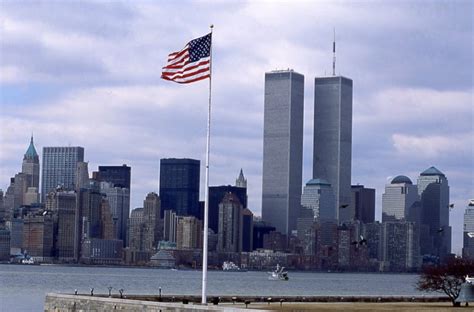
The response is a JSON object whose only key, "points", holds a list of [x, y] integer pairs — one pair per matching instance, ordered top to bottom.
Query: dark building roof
{"points": [[31, 151], [432, 171], [401, 179], [318, 182], [247, 212]]}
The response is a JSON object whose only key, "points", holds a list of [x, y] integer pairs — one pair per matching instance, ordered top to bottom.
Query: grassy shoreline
{"points": [[364, 306]]}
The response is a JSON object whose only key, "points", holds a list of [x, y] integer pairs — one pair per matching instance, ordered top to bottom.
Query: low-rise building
{"points": [[102, 251]]}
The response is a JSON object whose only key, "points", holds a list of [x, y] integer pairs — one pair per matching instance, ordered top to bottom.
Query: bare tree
{"points": [[446, 278]]}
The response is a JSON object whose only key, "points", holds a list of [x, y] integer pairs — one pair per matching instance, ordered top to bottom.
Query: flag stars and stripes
{"points": [[190, 64]]}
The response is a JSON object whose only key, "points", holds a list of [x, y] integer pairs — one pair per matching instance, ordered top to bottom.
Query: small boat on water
{"points": [[28, 261], [230, 267], [278, 274], [469, 280]]}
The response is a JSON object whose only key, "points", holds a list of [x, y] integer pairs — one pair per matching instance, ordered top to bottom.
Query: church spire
{"points": [[241, 180]]}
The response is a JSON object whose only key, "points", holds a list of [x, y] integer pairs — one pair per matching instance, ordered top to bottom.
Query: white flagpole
{"points": [[206, 192]]}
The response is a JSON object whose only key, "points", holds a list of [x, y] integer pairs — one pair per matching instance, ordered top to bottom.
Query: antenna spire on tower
{"points": [[334, 54]]}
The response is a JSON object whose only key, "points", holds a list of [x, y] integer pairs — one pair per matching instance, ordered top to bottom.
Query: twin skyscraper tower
{"points": [[283, 146]]}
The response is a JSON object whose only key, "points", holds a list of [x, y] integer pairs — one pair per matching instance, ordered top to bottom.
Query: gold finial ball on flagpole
{"points": [[211, 26]]}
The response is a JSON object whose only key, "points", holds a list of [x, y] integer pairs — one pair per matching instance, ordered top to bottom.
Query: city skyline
{"points": [[412, 61]]}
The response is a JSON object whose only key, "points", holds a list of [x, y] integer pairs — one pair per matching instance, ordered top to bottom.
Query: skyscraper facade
{"points": [[332, 148], [282, 149], [59, 168], [82, 175], [120, 176], [179, 186], [433, 189], [14, 195], [216, 195], [318, 196], [400, 200], [119, 201], [363, 203], [62, 204], [2, 209], [88, 216], [230, 224], [170, 225], [153, 226], [108, 228], [136, 230], [247, 230], [189, 233], [468, 233], [38, 236], [5, 239], [400, 246]]}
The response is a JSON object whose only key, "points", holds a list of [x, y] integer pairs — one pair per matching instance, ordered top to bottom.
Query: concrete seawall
{"points": [[62, 302]]}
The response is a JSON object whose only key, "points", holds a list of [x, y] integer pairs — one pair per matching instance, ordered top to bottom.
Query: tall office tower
{"points": [[332, 148], [282, 149], [31, 165], [59, 168], [82, 175], [120, 176], [241, 181], [179, 186], [434, 192], [14, 195], [216, 195], [318, 196], [9, 201], [119, 201], [401, 201], [363, 203], [62, 205], [2, 209], [88, 216], [170, 221], [153, 223], [230, 224], [15, 226], [108, 228], [260, 229], [305, 229], [136, 230], [247, 230], [372, 232], [189, 233], [468, 233], [38, 236], [5, 239], [344, 241], [400, 246]]}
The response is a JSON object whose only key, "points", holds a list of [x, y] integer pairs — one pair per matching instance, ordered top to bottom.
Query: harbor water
{"points": [[23, 287]]}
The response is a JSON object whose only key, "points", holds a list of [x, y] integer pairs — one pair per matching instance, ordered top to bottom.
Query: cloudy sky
{"points": [[88, 74]]}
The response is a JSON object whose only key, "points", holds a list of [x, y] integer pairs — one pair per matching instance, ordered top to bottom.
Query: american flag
{"points": [[190, 64]]}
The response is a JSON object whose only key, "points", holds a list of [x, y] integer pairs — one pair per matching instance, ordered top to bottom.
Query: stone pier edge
{"points": [[84, 302]]}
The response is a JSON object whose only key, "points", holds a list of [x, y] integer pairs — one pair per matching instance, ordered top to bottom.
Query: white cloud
{"points": [[417, 106], [430, 147]]}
